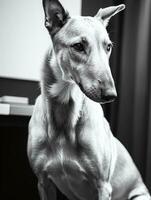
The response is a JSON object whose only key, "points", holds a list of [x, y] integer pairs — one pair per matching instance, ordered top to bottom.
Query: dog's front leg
{"points": [[37, 145], [47, 189], [105, 191], [139, 193], [142, 197]]}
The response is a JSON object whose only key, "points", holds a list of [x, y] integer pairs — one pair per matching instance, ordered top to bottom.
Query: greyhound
{"points": [[70, 144]]}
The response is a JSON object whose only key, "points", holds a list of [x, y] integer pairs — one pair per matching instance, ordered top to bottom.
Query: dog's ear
{"points": [[106, 13], [55, 16]]}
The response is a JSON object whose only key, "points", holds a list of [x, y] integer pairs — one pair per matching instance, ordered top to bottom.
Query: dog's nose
{"points": [[108, 96]]}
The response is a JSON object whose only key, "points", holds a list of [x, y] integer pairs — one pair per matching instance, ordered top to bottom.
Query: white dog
{"points": [[70, 144]]}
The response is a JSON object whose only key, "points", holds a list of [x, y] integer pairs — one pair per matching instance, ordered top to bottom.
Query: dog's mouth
{"points": [[91, 93], [98, 95]]}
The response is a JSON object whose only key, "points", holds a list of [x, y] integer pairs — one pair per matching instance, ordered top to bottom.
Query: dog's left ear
{"points": [[106, 13], [55, 16]]}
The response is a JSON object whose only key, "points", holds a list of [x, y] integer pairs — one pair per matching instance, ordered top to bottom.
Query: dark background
{"points": [[129, 115]]}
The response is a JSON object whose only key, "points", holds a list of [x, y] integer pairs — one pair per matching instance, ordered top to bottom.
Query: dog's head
{"points": [[83, 48]]}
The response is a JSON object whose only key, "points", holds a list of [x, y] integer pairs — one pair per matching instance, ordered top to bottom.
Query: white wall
{"points": [[23, 37]]}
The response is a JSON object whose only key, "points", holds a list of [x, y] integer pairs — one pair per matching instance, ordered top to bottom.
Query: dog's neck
{"points": [[57, 83], [64, 97]]}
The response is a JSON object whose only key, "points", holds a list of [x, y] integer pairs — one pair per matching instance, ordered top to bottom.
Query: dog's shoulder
{"points": [[39, 113], [37, 130]]}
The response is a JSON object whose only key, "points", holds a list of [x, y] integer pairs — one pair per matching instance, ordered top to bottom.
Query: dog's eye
{"points": [[78, 47], [109, 47]]}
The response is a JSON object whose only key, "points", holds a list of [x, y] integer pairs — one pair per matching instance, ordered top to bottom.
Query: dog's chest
{"points": [[67, 159], [70, 169]]}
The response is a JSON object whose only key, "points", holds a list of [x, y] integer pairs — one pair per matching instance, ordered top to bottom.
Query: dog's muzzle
{"points": [[99, 95]]}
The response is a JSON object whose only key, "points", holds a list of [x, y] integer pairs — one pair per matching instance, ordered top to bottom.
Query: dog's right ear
{"points": [[106, 13], [55, 16]]}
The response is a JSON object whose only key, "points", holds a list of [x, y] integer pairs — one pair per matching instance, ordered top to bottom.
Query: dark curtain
{"points": [[133, 111], [130, 114]]}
